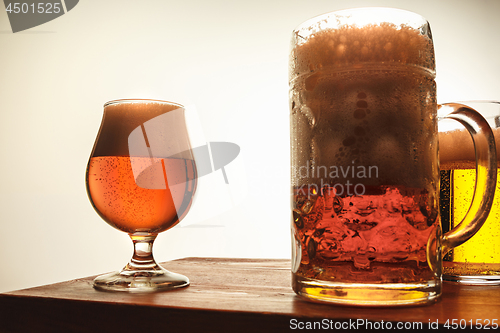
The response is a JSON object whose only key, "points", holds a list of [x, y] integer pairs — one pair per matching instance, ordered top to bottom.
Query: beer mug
{"points": [[364, 160], [478, 260]]}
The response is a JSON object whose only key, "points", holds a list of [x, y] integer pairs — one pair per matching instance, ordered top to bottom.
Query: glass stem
{"points": [[142, 258]]}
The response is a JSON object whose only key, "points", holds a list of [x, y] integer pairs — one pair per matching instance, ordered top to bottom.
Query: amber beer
{"points": [[134, 181], [121, 201], [478, 260]]}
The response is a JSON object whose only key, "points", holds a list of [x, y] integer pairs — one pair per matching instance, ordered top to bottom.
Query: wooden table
{"points": [[227, 295]]}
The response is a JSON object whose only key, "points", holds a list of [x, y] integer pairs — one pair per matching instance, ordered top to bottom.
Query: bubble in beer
{"points": [[361, 95], [362, 104], [359, 114], [337, 205], [297, 218], [311, 248]]}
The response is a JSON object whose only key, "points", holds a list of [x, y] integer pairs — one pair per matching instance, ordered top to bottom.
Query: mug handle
{"points": [[486, 175]]}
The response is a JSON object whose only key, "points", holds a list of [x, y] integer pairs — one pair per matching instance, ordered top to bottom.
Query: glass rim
{"points": [[345, 12], [141, 100], [478, 101], [489, 109]]}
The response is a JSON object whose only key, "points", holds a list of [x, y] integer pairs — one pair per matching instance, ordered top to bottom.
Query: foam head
{"points": [[360, 37]]}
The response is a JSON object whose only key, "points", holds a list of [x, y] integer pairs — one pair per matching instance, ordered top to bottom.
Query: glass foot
{"points": [[471, 273], [480, 280], [134, 281]]}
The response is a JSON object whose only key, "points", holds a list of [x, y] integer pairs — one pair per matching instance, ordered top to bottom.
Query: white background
{"points": [[227, 59]]}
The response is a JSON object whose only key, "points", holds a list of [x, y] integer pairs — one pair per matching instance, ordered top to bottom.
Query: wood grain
{"points": [[225, 295]]}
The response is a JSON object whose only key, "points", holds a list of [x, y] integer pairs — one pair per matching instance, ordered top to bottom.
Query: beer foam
{"points": [[358, 46], [359, 93], [456, 149]]}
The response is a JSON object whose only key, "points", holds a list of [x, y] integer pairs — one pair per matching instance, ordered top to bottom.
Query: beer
{"points": [[367, 133], [141, 176], [146, 203], [377, 237], [478, 259]]}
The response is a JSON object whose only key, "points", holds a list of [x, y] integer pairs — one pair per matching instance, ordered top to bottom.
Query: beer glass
{"points": [[364, 160], [141, 178], [478, 260]]}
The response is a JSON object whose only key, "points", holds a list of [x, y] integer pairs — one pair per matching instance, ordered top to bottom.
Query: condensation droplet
{"points": [[362, 104], [359, 114]]}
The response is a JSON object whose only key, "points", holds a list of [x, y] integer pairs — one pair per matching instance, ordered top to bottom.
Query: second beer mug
{"points": [[364, 156], [477, 262]]}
